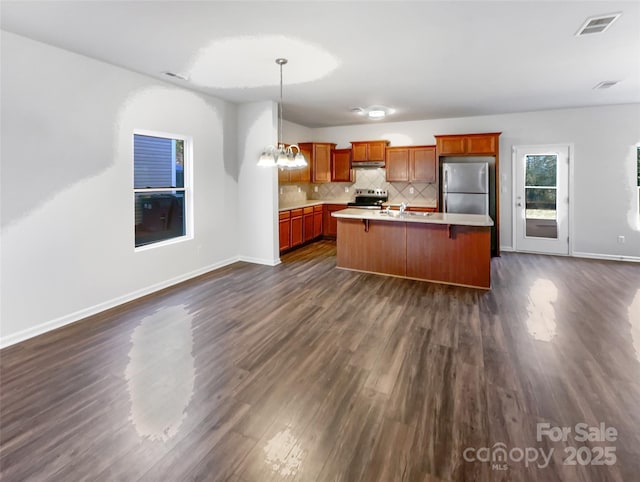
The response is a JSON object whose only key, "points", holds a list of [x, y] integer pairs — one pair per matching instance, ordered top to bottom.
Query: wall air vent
{"points": [[597, 24], [606, 84]]}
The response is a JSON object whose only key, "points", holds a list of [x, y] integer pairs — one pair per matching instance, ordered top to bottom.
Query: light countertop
{"points": [[309, 202], [316, 202], [415, 217]]}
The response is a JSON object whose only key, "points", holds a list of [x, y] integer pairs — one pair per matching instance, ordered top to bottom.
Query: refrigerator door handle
{"points": [[446, 177], [445, 202]]}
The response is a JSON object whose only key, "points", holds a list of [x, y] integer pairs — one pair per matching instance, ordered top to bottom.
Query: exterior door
{"points": [[541, 210]]}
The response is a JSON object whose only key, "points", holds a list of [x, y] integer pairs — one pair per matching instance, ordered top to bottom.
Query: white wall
{"points": [[295, 133], [604, 164], [257, 186], [67, 202]]}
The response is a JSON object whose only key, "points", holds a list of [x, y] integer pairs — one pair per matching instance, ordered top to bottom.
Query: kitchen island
{"points": [[438, 247]]}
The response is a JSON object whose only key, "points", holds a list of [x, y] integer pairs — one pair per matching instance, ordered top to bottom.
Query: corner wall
{"points": [[257, 186], [67, 202]]}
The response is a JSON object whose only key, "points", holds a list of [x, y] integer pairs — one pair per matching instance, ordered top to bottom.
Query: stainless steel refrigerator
{"points": [[465, 187]]}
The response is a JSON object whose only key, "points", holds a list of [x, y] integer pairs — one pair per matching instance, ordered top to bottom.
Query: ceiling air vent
{"points": [[597, 24], [176, 75], [606, 84]]}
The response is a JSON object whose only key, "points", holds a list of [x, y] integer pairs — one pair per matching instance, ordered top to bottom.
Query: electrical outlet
{"points": [[315, 188], [346, 189], [281, 190], [299, 190], [411, 190], [620, 239]]}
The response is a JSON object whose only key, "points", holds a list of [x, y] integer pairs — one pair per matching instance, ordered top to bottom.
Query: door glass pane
{"points": [[541, 215]]}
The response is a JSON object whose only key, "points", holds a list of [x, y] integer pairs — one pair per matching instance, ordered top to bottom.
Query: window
{"points": [[160, 186]]}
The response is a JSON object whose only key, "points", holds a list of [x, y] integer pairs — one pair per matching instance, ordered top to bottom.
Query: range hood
{"points": [[366, 164]]}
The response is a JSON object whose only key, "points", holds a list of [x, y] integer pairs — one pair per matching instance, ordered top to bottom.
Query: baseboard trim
{"points": [[508, 249], [610, 257], [267, 262], [93, 310]]}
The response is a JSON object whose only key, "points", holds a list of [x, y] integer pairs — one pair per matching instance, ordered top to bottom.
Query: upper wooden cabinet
{"points": [[467, 144], [368, 150], [319, 156], [397, 164], [411, 164], [422, 164], [341, 165], [296, 175]]}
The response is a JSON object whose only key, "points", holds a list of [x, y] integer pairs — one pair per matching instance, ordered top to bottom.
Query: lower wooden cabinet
{"points": [[317, 221], [307, 222], [330, 225], [298, 226], [285, 229]]}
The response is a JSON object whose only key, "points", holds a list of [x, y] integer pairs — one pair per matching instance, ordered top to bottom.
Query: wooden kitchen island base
{"points": [[456, 254]]}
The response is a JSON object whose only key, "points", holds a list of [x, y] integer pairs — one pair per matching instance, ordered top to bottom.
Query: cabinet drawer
{"points": [[318, 208], [308, 210], [296, 213], [284, 215]]}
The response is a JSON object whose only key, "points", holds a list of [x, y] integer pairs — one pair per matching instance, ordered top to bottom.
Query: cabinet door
{"points": [[481, 144], [451, 145], [377, 150], [359, 151], [397, 164], [422, 164], [341, 166], [321, 171], [301, 175], [283, 176], [317, 223], [330, 224], [296, 227], [307, 228], [285, 230]]}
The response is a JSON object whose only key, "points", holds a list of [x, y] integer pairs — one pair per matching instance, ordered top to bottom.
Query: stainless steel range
{"points": [[369, 199]]}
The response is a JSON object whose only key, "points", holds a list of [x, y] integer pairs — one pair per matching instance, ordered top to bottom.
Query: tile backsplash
{"points": [[364, 178]]}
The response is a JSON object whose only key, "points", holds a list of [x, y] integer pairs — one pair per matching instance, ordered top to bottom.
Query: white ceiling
{"points": [[424, 59]]}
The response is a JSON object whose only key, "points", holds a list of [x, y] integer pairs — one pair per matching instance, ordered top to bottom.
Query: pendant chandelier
{"points": [[281, 156]]}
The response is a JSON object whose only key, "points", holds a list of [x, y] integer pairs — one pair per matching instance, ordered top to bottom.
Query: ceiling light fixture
{"points": [[374, 112], [282, 156]]}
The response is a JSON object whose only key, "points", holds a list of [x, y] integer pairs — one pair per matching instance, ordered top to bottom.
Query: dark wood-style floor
{"points": [[307, 372]]}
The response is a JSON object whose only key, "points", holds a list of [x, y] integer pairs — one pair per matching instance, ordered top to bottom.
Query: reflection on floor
{"points": [[305, 372]]}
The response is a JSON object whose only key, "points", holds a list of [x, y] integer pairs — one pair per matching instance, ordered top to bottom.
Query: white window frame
{"points": [[188, 187]]}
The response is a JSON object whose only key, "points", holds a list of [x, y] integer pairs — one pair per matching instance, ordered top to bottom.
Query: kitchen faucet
{"points": [[403, 207]]}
